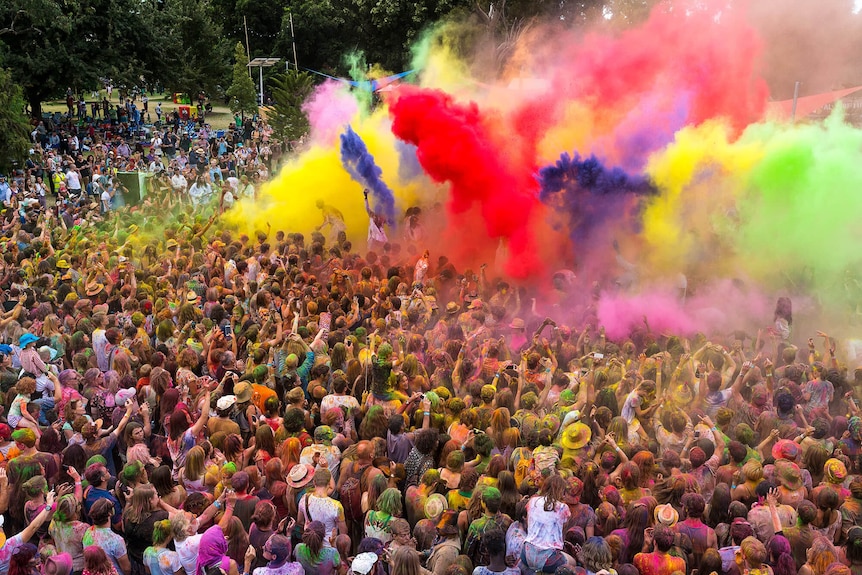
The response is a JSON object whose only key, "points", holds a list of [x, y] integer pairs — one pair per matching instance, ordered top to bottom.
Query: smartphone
{"points": [[325, 320], [225, 329], [598, 356]]}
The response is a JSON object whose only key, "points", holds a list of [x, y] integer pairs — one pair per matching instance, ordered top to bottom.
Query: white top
{"points": [[545, 528], [188, 552]]}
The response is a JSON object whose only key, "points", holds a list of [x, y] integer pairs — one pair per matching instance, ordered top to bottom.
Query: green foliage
{"points": [[198, 51], [290, 90], [242, 97], [14, 128]]}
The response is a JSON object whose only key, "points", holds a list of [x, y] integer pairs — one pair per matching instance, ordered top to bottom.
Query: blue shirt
{"points": [[94, 494]]}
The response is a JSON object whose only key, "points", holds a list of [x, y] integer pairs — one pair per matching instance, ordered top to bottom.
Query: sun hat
{"points": [[171, 243], [63, 265], [94, 288], [192, 297], [476, 304], [452, 308], [517, 323], [27, 339], [242, 390], [123, 395], [225, 402], [576, 435], [300, 475], [435, 505], [666, 515], [363, 563]]}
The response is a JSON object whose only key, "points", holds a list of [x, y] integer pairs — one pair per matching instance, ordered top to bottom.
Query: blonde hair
{"points": [[195, 463], [405, 561]]}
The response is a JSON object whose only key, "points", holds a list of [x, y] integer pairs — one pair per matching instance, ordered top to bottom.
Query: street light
{"points": [[260, 64]]}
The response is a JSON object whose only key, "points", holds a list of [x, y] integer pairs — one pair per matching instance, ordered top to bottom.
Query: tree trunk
{"points": [[35, 106]]}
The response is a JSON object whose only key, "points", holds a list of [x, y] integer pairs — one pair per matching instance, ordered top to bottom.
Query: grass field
{"points": [[220, 118]]}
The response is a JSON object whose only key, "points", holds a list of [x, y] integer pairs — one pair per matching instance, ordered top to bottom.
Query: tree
{"points": [[52, 45], [199, 52], [290, 90], [242, 97], [14, 128]]}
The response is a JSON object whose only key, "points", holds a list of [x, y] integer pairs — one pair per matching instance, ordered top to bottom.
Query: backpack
{"points": [[350, 495]]}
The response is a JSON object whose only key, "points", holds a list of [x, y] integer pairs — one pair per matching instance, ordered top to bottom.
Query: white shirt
{"points": [[157, 146], [73, 181], [233, 181], [179, 183], [200, 194], [228, 200], [188, 552]]}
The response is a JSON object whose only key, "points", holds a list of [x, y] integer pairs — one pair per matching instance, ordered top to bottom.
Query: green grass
{"points": [[220, 118]]}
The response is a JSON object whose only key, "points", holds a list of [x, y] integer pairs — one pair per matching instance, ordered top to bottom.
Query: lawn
{"points": [[220, 118]]}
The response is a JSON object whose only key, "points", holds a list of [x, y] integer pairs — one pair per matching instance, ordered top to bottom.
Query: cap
{"points": [[225, 402], [363, 563]]}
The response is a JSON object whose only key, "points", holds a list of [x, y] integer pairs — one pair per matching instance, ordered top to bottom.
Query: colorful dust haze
{"points": [[641, 161]]}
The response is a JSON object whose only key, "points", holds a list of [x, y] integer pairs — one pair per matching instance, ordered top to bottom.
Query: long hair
{"points": [[500, 419], [264, 439], [290, 453], [195, 463], [161, 479], [377, 486], [553, 490], [509, 492], [140, 504], [719, 506], [636, 521], [313, 538], [237, 540], [779, 555], [823, 555], [96, 561], [405, 561], [19, 563]]}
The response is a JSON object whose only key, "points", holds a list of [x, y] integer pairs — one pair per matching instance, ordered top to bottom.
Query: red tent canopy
{"points": [[808, 104]]}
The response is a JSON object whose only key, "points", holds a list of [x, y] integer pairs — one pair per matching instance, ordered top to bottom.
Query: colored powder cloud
{"points": [[329, 108], [454, 145], [361, 167], [590, 194]]}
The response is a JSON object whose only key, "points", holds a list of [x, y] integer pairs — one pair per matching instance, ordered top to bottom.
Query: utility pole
{"points": [[293, 42], [247, 49], [795, 98]]}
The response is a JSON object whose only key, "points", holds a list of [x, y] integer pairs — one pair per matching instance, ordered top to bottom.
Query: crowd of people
{"points": [[76, 157], [180, 397]]}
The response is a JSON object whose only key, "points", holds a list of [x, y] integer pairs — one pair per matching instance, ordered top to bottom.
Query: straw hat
{"points": [[63, 265], [94, 289], [452, 308], [517, 323], [300, 475], [435, 505], [666, 515]]}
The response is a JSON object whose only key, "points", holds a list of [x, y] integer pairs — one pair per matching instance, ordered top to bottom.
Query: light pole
{"points": [[260, 64]]}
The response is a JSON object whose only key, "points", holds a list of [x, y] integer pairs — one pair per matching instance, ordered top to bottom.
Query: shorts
{"points": [[553, 559]]}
